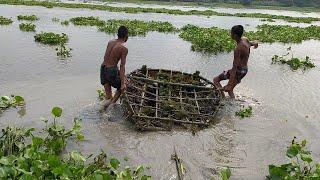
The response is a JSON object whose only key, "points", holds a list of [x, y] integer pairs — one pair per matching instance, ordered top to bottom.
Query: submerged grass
{"points": [[156, 10], [27, 17], [5, 21], [27, 27]]}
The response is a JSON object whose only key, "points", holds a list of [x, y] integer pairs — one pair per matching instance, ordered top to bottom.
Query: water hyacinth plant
{"points": [[27, 17], [55, 19], [5, 21], [87, 21], [65, 23], [28, 27], [137, 27], [284, 33], [51, 38], [212, 40], [63, 51], [293, 62], [10, 101], [245, 112], [24, 155], [301, 165]]}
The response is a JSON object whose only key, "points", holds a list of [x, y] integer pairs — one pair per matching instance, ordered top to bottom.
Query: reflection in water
{"points": [[248, 146]]}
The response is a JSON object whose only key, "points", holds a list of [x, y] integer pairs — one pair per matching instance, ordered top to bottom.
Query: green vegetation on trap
{"points": [[157, 10], [27, 17], [5, 21], [28, 27], [51, 38], [293, 62], [12, 101], [24, 155]]}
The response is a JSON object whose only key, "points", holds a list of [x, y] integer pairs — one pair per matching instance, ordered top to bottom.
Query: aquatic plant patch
{"points": [[157, 10], [27, 17], [55, 19], [5, 21], [87, 21], [65, 23], [28, 27], [137, 27], [284, 33], [51, 38], [212, 40], [216, 40], [63, 51], [293, 62], [11, 101], [245, 112], [24, 155], [301, 164]]}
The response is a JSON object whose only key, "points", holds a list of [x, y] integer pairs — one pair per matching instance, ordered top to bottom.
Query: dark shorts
{"points": [[241, 73], [110, 75]]}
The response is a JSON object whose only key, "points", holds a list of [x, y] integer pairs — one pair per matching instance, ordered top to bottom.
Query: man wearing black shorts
{"points": [[240, 62], [110, 75]]}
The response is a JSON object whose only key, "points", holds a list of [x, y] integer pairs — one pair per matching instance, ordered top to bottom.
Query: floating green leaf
{"points": [[56, 111]]}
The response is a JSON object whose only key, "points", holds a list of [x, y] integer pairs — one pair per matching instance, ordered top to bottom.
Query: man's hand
{"points": [[254, 44]]}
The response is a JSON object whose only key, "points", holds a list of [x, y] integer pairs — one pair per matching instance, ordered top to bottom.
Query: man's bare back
{"points": [[114, 51], [243, 52], [110, 75]]}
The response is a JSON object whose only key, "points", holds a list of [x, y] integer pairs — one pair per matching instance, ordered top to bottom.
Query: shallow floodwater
{"points": [[285, 103]]}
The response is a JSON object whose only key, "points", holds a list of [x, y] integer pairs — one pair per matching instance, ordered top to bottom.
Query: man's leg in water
{"points": [[216, 81], [107, 89], [116, 97]]}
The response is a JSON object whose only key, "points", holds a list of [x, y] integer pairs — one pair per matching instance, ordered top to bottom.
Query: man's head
{"points": [[237, 32], [123, 33]]}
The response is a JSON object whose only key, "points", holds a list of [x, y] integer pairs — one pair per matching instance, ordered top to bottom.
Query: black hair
{"points": [[237, 30], [122, 32]]}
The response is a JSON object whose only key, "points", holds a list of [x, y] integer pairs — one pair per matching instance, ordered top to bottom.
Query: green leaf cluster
{"points": [[27, 17], [5, 21], [87, 21], [28, 27], [137, 27], [284, 33], [51, 38], [212, 40], [63, 51], [293, 62], [101, 94], [12, 101], [245, 112], [24, 155], [301, 165]]}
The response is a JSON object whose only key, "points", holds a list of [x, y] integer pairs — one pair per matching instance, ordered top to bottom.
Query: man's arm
{"points": [[122, 68]]}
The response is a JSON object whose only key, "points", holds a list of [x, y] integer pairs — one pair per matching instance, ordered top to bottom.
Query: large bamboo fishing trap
{"points": [[158, 99]]}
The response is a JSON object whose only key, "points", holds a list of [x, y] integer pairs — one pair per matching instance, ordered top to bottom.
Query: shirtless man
{"points": [[240, 62], [110, 75]]}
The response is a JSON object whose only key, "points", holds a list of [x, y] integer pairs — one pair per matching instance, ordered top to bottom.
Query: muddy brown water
{"points": [[285, 103]]}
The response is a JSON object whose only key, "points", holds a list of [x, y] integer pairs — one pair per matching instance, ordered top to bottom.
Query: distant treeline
{"points": [[298, 3]]}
